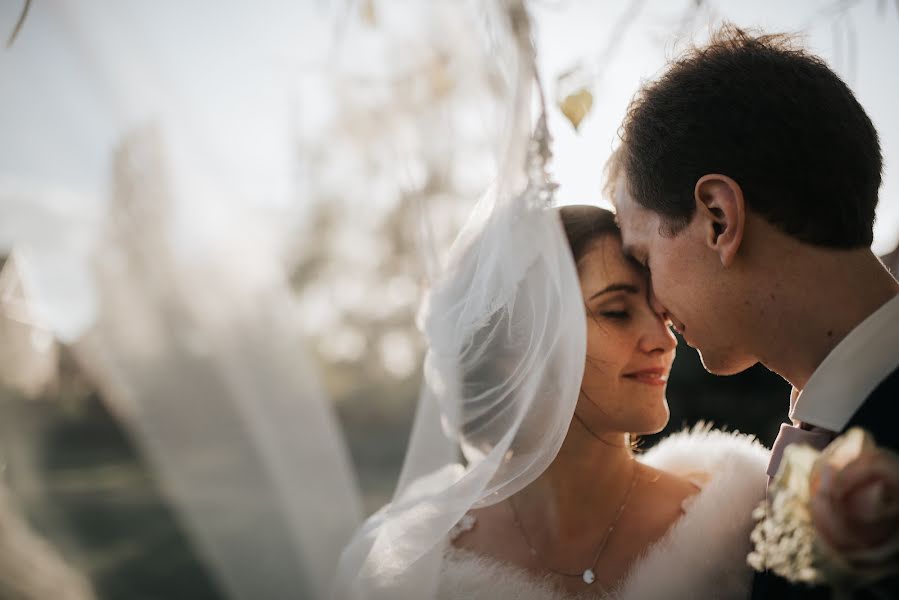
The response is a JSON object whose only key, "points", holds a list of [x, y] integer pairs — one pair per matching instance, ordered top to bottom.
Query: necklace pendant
{"points": [[589, 576]]}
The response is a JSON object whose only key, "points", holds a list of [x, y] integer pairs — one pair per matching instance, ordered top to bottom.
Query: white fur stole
{"points": [[703, 555]]}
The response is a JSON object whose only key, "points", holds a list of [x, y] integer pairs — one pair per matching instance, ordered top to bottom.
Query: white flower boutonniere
{"points": [[831, 517]]}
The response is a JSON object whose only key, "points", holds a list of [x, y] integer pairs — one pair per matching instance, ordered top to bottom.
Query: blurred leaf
{"points": [[367, 12], [576, 106]]}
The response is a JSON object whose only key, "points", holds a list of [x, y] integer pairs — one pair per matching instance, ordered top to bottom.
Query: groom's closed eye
{"points": [[633, 257], [641, 265]]}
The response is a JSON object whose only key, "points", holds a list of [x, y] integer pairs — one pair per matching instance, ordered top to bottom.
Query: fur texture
{"points": [[703, 555]]}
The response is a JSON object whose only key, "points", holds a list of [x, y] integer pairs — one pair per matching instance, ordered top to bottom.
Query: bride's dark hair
{"points": [[584, 225]]}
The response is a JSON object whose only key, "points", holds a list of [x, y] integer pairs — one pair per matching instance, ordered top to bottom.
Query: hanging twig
{"points": [[833, 9], [689, 18], [19, 23], [619, 30], [837, 44], [852, 48]]}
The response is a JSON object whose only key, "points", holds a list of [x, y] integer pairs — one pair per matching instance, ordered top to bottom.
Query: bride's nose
{"points": [[657, 336]]}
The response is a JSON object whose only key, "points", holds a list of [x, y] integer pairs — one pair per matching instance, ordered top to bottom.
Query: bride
{"points": [[545, 356], [549, 499], [673, 523]]}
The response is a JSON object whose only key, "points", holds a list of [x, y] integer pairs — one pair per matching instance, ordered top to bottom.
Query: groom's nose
{"points": [[658, 307]]}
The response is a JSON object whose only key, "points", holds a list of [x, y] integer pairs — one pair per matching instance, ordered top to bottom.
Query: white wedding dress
{"points": [[703, 555]]}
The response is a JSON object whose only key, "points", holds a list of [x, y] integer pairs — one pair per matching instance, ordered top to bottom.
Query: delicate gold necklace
{"points": [[594, 434], [588, 574]]}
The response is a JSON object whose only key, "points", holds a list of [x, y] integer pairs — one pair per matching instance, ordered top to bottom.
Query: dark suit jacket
{"points": [[879, 415]]}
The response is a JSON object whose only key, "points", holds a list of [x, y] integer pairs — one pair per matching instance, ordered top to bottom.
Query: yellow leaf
{"points": [[368, 13], [576, 106]]}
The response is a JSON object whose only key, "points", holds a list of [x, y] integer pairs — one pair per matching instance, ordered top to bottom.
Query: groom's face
{"points": [[686, 282]]}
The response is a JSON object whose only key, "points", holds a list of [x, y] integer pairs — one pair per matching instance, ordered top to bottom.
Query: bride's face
{"points": [[629, 347]]}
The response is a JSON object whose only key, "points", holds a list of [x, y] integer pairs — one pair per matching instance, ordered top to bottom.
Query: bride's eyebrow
{"points": [[617, 287]]}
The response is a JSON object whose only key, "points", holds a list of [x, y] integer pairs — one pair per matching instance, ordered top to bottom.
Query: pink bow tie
{"points": [[816, 437]]}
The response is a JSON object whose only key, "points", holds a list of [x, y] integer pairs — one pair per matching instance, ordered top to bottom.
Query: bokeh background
{"points": [[253, 73]]}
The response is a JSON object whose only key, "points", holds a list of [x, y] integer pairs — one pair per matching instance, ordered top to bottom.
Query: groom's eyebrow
{"points": [[617, 287]]}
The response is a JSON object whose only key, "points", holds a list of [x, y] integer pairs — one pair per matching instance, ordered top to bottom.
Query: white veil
{"points": [[505, 331]]}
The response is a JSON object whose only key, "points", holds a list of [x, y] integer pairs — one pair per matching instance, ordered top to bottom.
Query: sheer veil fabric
{"points": [[506, 339]]}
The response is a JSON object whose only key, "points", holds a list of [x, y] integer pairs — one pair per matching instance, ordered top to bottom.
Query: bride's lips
{"points": [[658, 377]]}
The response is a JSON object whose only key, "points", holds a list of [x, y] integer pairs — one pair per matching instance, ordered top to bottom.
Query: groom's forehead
{"points": [[629, 217], [636, 225], [628, 241]]}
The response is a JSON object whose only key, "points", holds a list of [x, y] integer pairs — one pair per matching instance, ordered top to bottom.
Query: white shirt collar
{"points": [[852, 370]]}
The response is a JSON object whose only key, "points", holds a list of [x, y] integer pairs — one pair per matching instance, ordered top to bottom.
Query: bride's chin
{"points": [[654, 423], [653, 429]]}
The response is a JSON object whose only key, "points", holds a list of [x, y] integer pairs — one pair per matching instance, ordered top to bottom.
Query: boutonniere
{"points": [[831, 517]]}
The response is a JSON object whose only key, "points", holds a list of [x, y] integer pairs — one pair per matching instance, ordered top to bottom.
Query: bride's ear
{"points": [[721, 213]]}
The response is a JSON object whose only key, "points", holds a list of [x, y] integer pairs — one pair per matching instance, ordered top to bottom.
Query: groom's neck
{"points": [[822, 295]]}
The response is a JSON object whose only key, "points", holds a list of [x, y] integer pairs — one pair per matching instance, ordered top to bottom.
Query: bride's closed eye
{"points": [[617, 310], [616, 314]]}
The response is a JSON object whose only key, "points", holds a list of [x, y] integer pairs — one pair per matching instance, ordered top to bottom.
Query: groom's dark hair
{"points": [[771, 116]]}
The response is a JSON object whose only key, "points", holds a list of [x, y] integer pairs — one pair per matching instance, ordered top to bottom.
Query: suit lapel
{"points": [[879, 415]]}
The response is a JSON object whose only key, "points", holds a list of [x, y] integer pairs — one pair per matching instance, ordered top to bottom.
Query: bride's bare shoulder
{"points": [[660, 498], [484, 531]]}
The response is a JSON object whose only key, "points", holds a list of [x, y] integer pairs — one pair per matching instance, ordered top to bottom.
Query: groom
{"points": [[750, 181]]}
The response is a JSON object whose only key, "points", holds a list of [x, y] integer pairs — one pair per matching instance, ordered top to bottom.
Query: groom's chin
{"points": [[722, 363]]}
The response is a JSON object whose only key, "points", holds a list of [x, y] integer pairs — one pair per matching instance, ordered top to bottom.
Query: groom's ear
{"points": [[721, 213]]}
